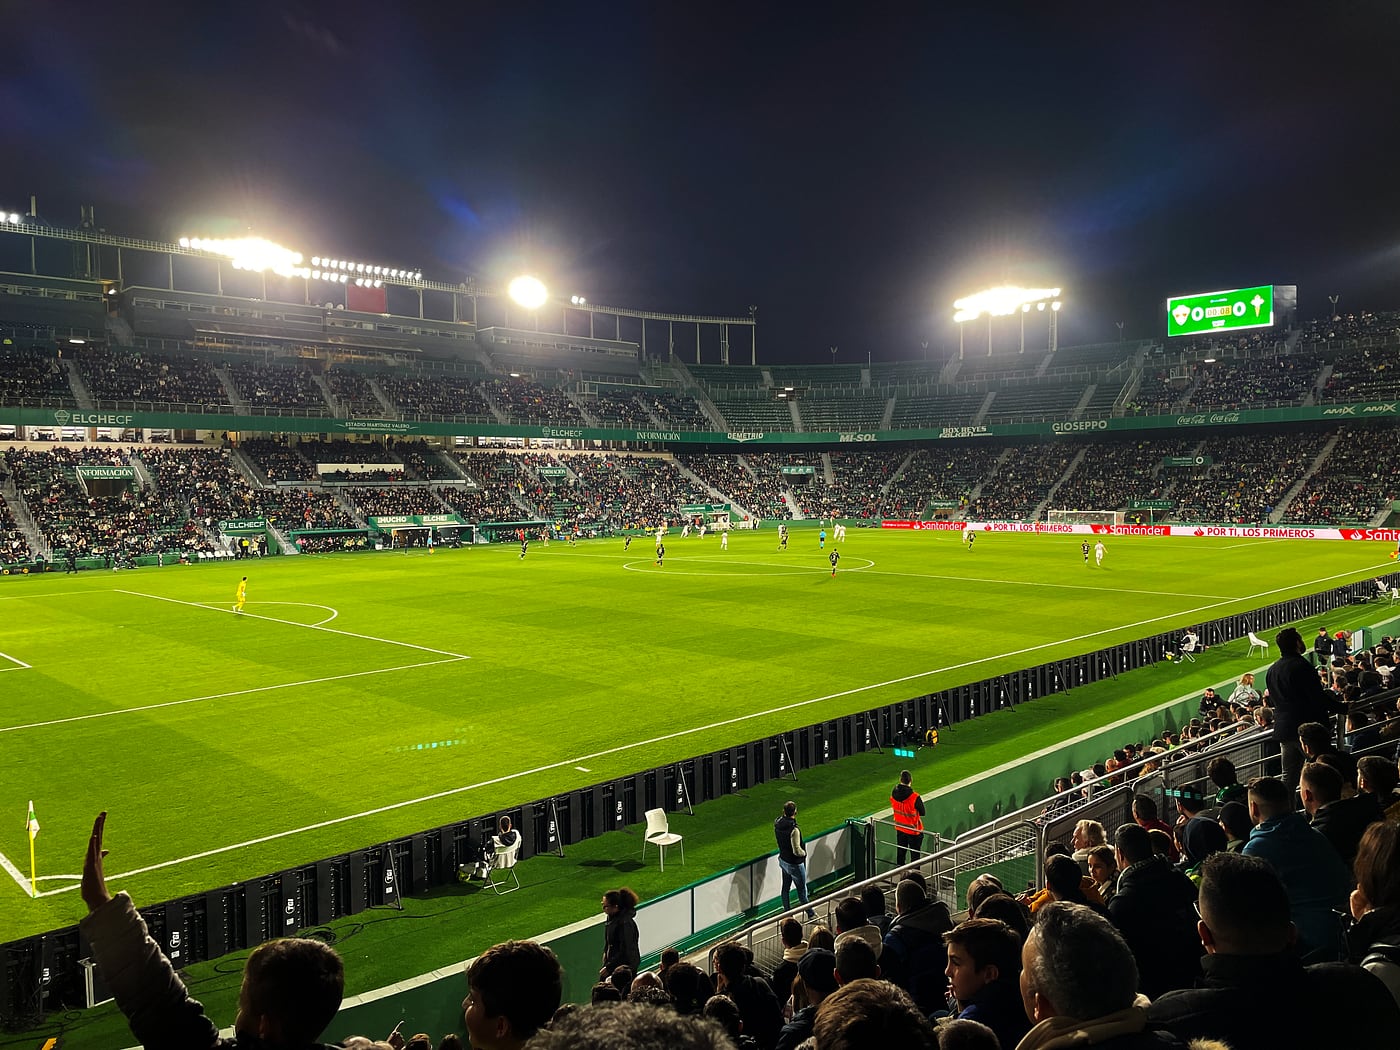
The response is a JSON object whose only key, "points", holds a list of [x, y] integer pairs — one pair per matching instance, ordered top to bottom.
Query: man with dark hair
{"points": [[1296, 695], [1222, 774], [1377, 775], [909, 815], [1147, 816], [1342, 821], [792, 857], [1317, 880], [876, 908], [1152, 908], [851, 923], [1250, 940], [794, 947], [914, 956], [855, 961], [984, 968], [818, 972], [1078, 976], [291, 990], [513, 990], [757, 1004], [867, 1014], [630, 1026]]}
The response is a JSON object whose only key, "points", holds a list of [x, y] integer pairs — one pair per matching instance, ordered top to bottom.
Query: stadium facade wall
{"points": [[306, 424], [211, 924]]}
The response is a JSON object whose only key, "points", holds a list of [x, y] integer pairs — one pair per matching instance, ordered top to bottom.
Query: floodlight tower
{"points": [[530, 293], [1002, 301]]}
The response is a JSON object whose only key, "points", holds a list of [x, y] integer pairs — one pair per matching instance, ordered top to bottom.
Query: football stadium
{"points": [[308, 598]]}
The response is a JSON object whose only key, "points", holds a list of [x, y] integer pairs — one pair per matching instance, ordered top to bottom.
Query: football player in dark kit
{"points": [[1085, 548], [833, 557]]}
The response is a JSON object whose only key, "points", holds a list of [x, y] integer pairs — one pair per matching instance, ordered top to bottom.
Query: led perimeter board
{"points": [[1217, 311]]}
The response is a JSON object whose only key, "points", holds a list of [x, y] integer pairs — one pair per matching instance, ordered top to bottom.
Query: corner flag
{"points": [[31, 824]]}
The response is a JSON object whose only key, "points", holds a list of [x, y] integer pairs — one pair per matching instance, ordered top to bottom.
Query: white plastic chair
{"points": [[1394, 595], [1255, 642], [1188, 647], [660, 835], [504, 861]]}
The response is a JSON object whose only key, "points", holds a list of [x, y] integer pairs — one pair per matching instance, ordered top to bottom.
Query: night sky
{"points": [[850, 169]]}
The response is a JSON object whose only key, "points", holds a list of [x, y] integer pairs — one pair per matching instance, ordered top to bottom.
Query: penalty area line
{"points": [[210, 607]]}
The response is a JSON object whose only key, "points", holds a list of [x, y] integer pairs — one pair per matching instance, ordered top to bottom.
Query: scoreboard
{"points": [[1221, 311]]}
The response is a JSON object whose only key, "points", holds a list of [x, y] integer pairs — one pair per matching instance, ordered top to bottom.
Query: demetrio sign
{"points": [[226, 420]]}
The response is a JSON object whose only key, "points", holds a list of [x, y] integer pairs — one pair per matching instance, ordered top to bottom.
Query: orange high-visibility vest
{"points": [[906, 816]]}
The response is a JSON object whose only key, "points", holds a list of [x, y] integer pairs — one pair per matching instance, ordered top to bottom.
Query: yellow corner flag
{"points": [[31, 824]]}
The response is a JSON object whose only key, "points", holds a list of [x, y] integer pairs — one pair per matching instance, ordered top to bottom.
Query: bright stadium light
{"points": [[529, 292], [999, 302], [1056, 305]]}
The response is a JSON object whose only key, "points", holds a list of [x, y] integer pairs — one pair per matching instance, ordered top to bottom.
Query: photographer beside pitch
{"points": [[292, 987]]}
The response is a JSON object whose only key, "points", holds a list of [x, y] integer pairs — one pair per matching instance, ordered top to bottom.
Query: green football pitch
{"points": [[362, 697]]}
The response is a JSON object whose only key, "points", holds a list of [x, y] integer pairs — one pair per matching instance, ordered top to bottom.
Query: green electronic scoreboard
{"points": [[1221, 311]]}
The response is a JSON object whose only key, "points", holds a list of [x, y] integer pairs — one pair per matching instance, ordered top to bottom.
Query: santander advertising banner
{"points": [[1246, 532]]}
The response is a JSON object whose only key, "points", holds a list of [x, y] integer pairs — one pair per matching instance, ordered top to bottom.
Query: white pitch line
{"points": [[1057, 586], [301, 605], [210, 607], [20, 665], [223, 696], [580, 759], [16, 874]]}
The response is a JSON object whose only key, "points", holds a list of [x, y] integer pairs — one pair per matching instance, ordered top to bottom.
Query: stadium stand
{"points": [[33, 374], [1372, 374], [120, 376], [1256, 383], [277, 386], [352, 394], [438, 396], [525, 401], [1033, 401], [619, 408], [914, 411], [680, 413], [842, 413], [752, 414], [278, 462], [1114, 473], [938, 475], [1249, 476], [1022, 482], [1355, 483]]}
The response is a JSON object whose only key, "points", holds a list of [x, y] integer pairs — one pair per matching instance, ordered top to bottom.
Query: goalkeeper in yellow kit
{"points": [[241, 596]]}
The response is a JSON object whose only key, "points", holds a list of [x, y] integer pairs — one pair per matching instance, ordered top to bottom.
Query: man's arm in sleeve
{"points": [[147, 989]]}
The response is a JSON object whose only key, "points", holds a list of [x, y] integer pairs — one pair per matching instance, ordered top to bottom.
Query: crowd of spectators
{"points": [[1351, 326], [33, 373], [125, 374], [1370, 374], [1258, 381], [278, 386], [352, 393], [1158, 393], [437, 395], [525, 401], [621, 409], [680, 413], [278, 460], [424, 461], [1113, 474], [939, 475], [1248, 477], [204, 480], [1022, 482], [738, 483], [1354, 483], [771, 487], [857, 488], [618, 491], [378, 502], [301, 508], [122, 526], [13, 545]]}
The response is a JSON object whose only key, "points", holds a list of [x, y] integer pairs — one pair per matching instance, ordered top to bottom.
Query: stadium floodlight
{"points": [[529, 292], [578, 300], [998, 302], [1056, 305], [1040, 306]]}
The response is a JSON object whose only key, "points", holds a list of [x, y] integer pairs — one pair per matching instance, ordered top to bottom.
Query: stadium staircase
{"points": [[949, 372], [1323, 377], [689, 386], [1191, 390], [81, 393], [332, 402], [577, 402], [240, 407], [986, 407], [390, 412], [1077, 412], [887, 420], [797, 426], [249, 469], [828, 471], [1069, 472], [990, 475], [1301, 483], [715, 494], [342, 497], [20, 511]]}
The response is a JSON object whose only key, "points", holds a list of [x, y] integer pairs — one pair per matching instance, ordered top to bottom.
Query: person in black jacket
{"points": [[1296, 694], [1152, 908], [620, 936], [1255, 994]]}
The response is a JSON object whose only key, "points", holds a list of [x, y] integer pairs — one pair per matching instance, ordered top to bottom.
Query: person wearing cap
{"points": [[817, 970]]}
